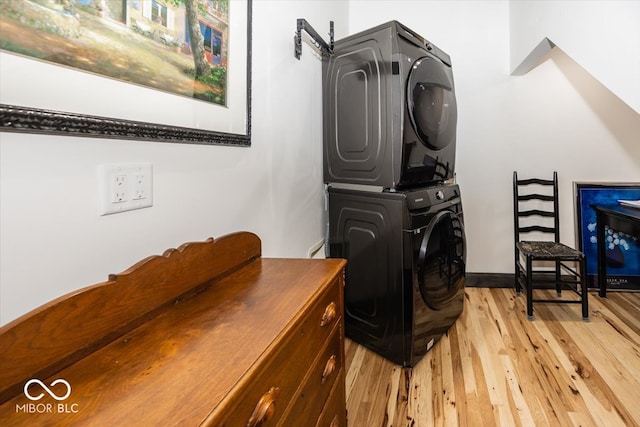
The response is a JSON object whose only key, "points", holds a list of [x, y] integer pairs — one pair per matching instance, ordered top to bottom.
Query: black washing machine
{"points": [[389, 110], [405, 274]]}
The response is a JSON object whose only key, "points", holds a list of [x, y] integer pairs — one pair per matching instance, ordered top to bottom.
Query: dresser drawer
{"points": [[313, 393], [263, 399], [334, 413]]}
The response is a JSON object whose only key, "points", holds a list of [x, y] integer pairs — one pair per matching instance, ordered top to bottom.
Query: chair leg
{"points": [[517, 274], [558, 283], [529, 286], [584, 290]]}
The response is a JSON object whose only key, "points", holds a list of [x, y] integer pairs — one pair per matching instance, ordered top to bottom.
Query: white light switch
{"points": [[125, 187]]}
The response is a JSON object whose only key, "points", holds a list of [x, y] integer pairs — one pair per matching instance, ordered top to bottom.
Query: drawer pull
{"points": [[329, 315], [328, 369], [265, 408]]}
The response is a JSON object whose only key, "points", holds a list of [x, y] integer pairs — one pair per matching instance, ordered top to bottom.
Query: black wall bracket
{"points": [[326, 49]]}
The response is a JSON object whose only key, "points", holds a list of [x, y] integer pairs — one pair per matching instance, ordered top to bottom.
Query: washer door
{"points": [[432, 103], [441, 260]]}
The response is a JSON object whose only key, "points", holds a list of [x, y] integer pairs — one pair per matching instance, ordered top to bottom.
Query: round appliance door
{"points": [[432, 103], [441, 260]]}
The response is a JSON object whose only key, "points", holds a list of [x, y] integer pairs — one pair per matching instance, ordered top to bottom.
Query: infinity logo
{"points": [[47, 389]]}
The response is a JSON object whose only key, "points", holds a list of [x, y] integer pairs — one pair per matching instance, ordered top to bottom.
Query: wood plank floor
{"points": [[496, 368]]}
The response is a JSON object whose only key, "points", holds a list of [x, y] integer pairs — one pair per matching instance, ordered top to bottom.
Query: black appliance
{"points": [[389, 110], [405, 274]]}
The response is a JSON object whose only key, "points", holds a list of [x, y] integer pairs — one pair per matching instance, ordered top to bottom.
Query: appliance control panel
{"points": [[427, 197]]}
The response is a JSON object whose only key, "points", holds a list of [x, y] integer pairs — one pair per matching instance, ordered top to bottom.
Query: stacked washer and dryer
{"points": [[395, 212]]}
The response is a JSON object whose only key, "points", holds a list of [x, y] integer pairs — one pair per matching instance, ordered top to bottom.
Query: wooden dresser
{"points": [[207, 334]]}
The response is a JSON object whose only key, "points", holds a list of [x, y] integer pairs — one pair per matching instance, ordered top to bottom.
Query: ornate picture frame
{"points": [[45, 98]]}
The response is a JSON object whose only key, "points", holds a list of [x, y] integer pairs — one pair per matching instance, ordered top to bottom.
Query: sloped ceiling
{"points": [[603, 37], [536, 56]]}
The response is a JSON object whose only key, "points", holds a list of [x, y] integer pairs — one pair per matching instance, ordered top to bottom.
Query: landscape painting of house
{"points": [[176, 46]]}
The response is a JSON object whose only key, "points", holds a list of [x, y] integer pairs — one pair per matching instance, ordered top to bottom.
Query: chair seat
{"points": [[548, 250]]}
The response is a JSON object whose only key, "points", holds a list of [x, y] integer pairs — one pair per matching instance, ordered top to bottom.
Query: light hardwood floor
{"points": [[496, 368]]}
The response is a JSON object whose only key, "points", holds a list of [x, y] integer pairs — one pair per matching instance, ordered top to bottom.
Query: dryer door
{"points": [[432, 103], [441, 260]]}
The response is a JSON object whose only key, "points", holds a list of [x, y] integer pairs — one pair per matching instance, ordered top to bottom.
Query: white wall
{"points": [[602, 36], [557, 117], [52, 239]]}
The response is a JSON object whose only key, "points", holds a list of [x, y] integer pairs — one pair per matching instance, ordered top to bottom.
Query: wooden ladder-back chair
{"points": [[535, 209]]}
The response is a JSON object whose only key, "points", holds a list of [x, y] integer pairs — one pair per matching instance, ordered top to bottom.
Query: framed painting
{"points": [[155, 70], [622, 250]]}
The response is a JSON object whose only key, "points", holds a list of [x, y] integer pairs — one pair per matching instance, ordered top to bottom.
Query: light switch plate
{"points": [[125, 187]]}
